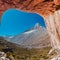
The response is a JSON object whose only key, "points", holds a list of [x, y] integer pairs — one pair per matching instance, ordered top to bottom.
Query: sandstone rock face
{"points": [[35, 2], [57, 2], [43, 7], [53, 26]]}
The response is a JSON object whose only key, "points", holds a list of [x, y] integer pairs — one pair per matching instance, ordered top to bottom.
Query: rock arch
{"points": [[48, 9]]}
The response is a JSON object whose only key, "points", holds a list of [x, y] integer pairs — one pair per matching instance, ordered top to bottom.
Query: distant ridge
{"points": [[34, 38]]}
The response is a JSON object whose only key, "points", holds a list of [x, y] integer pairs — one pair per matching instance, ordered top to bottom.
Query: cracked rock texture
{"points": [[57, 2], [43, 7], [53, 26]]}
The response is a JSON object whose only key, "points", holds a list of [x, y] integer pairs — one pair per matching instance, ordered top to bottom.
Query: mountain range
{"points": [[36, 37]]}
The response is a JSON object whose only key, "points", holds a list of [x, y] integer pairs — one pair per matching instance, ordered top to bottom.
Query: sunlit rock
{"points": [[57, 2], [53, 26], [3, 56], [54, 59]]}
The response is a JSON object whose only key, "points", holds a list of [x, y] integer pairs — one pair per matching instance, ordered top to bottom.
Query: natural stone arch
{"points": [[46, 8]]}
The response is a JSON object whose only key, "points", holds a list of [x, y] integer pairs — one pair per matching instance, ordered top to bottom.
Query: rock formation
{"points": [[57, 2], [45, 8], [53, 26], [3, 56]]}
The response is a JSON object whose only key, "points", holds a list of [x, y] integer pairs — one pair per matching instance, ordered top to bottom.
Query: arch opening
{"points": [[15, 21], [24, 26]]}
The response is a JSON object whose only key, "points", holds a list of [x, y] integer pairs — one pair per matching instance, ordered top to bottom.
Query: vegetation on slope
{"points": [[20, 53]]}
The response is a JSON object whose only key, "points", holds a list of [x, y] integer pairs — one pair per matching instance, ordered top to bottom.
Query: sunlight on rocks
{"points": [[53, 26]]}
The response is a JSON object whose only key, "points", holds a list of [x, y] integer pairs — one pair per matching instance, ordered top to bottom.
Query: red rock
{"points": [[37, 1], [57, 2], [43, 7]]}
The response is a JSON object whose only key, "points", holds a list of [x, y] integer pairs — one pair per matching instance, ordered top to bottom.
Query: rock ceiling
{"points": [[43, 7]]}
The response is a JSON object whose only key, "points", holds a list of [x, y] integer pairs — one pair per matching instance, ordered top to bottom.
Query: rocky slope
{"points": [[34, 38], [5, 49], [20, 53]]}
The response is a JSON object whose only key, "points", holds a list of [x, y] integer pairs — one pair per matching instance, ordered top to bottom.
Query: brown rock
{"points": [[37, 1], [57, 2], [43, 7]]}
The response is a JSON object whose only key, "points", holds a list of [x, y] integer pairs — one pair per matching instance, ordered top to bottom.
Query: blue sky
{"points": [[15, 22]]}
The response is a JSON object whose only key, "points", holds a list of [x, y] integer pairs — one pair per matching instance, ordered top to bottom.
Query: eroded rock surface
{"points": [[57, 2], [43, 7], [53, 26]]}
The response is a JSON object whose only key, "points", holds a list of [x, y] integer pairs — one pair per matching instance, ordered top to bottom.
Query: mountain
{"points": [[36, 37], [20, 53]]}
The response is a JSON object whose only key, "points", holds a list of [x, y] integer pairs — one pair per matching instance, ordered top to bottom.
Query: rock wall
{"points": [[57, 2], [43, 7], [53, 26]]}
